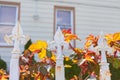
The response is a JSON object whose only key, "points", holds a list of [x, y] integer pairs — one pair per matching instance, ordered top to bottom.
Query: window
{"points": [[9, 15], [64, 17]]}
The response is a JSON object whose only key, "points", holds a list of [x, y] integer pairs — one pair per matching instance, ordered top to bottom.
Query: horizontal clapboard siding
{"points": [[91, 16]]}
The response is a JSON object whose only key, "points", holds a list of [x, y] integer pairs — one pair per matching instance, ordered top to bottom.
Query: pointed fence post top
{"points": [[17, 29], [59, 37], [16, 38], [101, 39], [58, 40], [102, 44]]}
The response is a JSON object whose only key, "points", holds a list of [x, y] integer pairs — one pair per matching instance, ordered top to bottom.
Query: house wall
{"points": [[91, 17]]}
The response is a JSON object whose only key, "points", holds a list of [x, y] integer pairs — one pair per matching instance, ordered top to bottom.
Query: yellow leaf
{"points": [[109, 38], [113, 40], [41, 44], [38, 45], [32, 47], [42, 54], [53, 57], [67, 58], [88, 58], [74, 61], [68, 66], [75, 77], [3, 78]]}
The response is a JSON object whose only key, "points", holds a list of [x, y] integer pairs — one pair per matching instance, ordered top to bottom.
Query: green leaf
{"points": [[27, 44], [48, 53], [110, 59], [116, 63], [3, 64], [40, 64], [31, 69], [43, 70], [52, 70], [70, 72], [52, 73], [115, 73]]}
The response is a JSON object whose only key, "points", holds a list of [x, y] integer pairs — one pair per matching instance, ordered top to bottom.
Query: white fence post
{"points": [[17, 37], [59, 43], [104, 66]]}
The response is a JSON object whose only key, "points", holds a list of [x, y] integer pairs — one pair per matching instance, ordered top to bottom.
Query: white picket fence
{"points": [[18, 37]]}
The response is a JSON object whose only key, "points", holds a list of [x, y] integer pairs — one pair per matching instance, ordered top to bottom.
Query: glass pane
{"points": [[7, 14], [63, 17], [7, 20], [3, 31]]}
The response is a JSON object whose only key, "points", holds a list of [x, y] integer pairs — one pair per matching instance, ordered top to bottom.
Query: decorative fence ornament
{"points": [[15, 38], [59, 43], [104, 66]]}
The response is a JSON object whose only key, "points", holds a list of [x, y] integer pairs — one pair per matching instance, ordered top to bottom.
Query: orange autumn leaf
{"points": [[64, 31], [116, 36], [70, 37], [90, 37], [113, 37], [109, 38], [91, 40], [113, 40], [87, 44], [78, 50], [90, 53], [89, 56], [3, 76]]}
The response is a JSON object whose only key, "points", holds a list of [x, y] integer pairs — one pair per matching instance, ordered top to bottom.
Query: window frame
{"points": [[14, 4], [66, 8]]}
